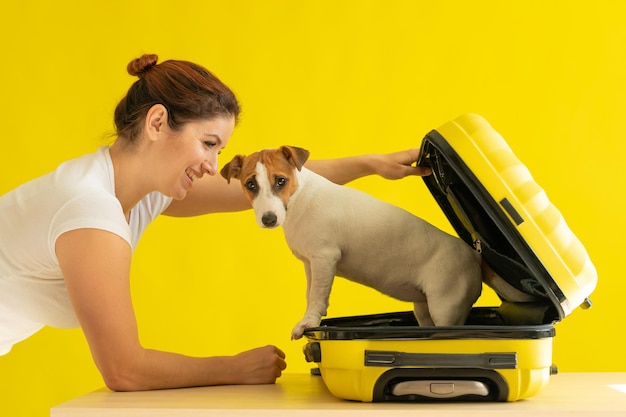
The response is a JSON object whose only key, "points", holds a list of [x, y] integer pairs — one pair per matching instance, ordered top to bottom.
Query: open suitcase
{"points": [[502, 353]]}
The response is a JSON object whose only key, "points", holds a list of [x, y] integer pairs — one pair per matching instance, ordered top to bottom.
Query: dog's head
{"points": [[268, 178]]}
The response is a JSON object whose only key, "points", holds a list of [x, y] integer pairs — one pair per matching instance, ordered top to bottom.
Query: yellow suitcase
{"points": [[502, 353]]}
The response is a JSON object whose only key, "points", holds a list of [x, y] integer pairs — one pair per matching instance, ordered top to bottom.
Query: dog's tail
{"points": [[503, 288]]}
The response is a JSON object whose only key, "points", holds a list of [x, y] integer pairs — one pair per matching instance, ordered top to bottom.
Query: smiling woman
{"points": [[68, 237], [67, 262]]}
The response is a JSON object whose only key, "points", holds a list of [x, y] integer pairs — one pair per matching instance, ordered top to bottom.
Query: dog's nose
{"points": [[269, 219]]}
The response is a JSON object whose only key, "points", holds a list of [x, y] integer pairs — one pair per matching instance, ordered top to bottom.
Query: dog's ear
{"points": [[296, 156], [233, 168]]}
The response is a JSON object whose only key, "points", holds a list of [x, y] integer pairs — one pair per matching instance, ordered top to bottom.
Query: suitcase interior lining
{"points": [[507, 314], [509, 321]]}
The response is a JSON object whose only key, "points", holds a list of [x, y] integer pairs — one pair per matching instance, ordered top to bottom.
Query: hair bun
{"points": [[139, 66]]}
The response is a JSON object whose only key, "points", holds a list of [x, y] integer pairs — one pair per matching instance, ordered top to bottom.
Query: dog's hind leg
{"points": [[451, 308], [422, 314], [449, 314]]}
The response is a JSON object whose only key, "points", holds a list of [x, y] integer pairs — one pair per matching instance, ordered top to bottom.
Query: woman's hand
{"points": [[397, 165], [258, 366]]}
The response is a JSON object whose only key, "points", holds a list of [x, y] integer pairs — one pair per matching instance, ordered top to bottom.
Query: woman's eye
{"points": [[210, 145]]}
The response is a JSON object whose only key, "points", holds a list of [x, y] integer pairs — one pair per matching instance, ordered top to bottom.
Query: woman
{"points": [[67, 238]]}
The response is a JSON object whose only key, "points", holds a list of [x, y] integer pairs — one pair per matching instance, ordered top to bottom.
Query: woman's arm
{"points": [[391, 166], [210, 194], [215, 194], [96, 267]]}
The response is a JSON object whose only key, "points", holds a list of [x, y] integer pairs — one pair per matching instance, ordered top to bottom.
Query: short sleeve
{"points": [[90, 210]]}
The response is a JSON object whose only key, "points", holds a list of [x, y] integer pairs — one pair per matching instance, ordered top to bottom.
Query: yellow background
{"points": [[338, 78]]}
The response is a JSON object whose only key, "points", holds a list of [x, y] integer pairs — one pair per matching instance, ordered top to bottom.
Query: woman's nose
{"points": [[210, 164]]}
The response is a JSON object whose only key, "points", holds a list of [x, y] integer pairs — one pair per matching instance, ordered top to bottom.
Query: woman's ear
{"points": [[156, 120]]}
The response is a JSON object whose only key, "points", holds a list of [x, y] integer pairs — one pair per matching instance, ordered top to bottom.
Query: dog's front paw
{"points": [[305, 323]]}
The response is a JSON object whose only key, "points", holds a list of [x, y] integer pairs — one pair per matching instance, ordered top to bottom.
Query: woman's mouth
{"points": [[191, 175]]}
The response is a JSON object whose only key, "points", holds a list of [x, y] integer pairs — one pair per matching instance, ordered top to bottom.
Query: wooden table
{"points": [[567, 394]]}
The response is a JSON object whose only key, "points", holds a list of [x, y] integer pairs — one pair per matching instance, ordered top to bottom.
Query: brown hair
{"points": [[187, 90]]}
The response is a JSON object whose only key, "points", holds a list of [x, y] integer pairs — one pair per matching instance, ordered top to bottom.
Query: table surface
{"points": [[567, 394]]}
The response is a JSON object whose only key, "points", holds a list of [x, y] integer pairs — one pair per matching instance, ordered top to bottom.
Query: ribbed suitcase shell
{"points": [[494, 204], [535, 228]]}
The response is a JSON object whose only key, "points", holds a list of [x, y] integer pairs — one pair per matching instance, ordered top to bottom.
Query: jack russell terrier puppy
{"points": [[340, 231]]}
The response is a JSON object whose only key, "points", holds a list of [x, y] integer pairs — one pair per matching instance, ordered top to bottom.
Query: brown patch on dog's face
{"points": [[279, 167], [275, 175], [282, 177]]}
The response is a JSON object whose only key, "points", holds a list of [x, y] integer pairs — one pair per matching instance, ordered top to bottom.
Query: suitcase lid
{"points": [[498, 208]]}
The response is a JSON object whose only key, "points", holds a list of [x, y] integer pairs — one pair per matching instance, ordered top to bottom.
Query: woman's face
{"points": [[192, 152]]}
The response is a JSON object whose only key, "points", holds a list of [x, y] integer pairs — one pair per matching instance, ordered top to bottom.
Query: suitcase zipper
{"points": [[477, 244]]}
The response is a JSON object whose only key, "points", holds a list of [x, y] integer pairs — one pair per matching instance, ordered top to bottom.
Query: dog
{"points": [[336, 230]]}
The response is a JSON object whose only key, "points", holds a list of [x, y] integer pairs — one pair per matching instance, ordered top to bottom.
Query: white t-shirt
{"points": [[80, 193]]}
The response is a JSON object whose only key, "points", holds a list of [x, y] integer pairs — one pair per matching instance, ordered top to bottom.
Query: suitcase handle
{"points": [[441, 360], [441, 384], [437, 388]]}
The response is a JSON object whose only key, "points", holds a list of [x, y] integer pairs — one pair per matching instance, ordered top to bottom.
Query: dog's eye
{"points": [[280, 182], [251, 185]]}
